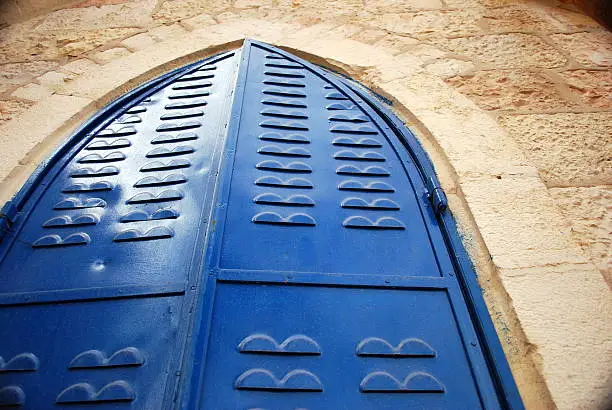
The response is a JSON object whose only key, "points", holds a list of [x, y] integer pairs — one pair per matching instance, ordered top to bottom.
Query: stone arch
{"points": [[478, 164]]}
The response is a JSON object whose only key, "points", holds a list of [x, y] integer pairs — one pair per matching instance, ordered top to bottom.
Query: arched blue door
{"points": [[246, 232]]}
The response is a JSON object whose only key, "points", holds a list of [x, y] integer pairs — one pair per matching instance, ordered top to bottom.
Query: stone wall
{"points": [[511, 99]]}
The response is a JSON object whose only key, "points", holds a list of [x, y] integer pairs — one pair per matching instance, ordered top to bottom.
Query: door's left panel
{"points": [[94, 307]]}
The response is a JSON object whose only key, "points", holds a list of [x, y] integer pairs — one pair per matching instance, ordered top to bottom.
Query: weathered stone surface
{"points": [[98, 3], [247, 4], [458, 4], [392, 6], [172, 11], [312, 11], [129, 14], [519, 19], [571, 20], [199, 21], [428, 24], [346, 30], [164, 32], [370, 36], [138, 42], [75, 44], [395, 44], [30, 46], [588, 49], [515, 50], [426, 52], [107, 56], [79, 66], [449, 67], [12, 75], [53, 78], [593, 88], [515, 90], [32, 92], [10, 109], [38, 123], [474, 143], [568, 149], [589, 210], [519, 222], [565, 314]]}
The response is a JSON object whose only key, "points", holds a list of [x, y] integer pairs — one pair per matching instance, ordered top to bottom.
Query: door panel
{"points": [[315, 185], [246, 232], [359, 347]]}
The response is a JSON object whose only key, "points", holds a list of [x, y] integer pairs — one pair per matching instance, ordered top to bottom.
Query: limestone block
{"points": [[98, 3], [246, 4], [458, 4], [382, 6], [175, 10], [302, 11], [129, 14], [526, 18], [570, 19], [198, 22], [428, 24], [345, 30], [268, 31], [165, 32], [307, 34], [370, 36], [138, 42], [76, 43], [395, 44], [20, 46], [589, 49], [515, 50], [349, 52], [426, 52], [107, 56], [80, 66], [400, 67], [450, 67], [14, 74], [52, 79], [98, 84], [592, 87], [511, 90], [32, 92], [10, 109], [34, 127], [473, 142], [568, 148], [589, 210], [519, 222], [565, 313]]}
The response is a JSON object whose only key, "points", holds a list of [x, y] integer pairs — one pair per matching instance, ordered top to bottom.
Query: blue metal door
{"points": [[246, 232]]}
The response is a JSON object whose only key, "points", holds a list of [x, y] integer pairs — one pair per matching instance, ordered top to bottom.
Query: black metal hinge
{"points": [[437, 197]]}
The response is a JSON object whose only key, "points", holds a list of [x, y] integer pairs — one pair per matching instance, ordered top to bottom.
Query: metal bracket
{"points": [[437, 197]]}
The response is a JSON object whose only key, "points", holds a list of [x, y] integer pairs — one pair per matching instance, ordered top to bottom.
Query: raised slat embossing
{"points": [[275, 199], [273, 218], [362, 222], [135, 235], [260, 343], [262, 379], [416, 382], [116, 391]]}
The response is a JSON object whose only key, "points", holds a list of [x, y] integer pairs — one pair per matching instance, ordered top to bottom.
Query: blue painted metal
{"points": [[247, 232]]}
